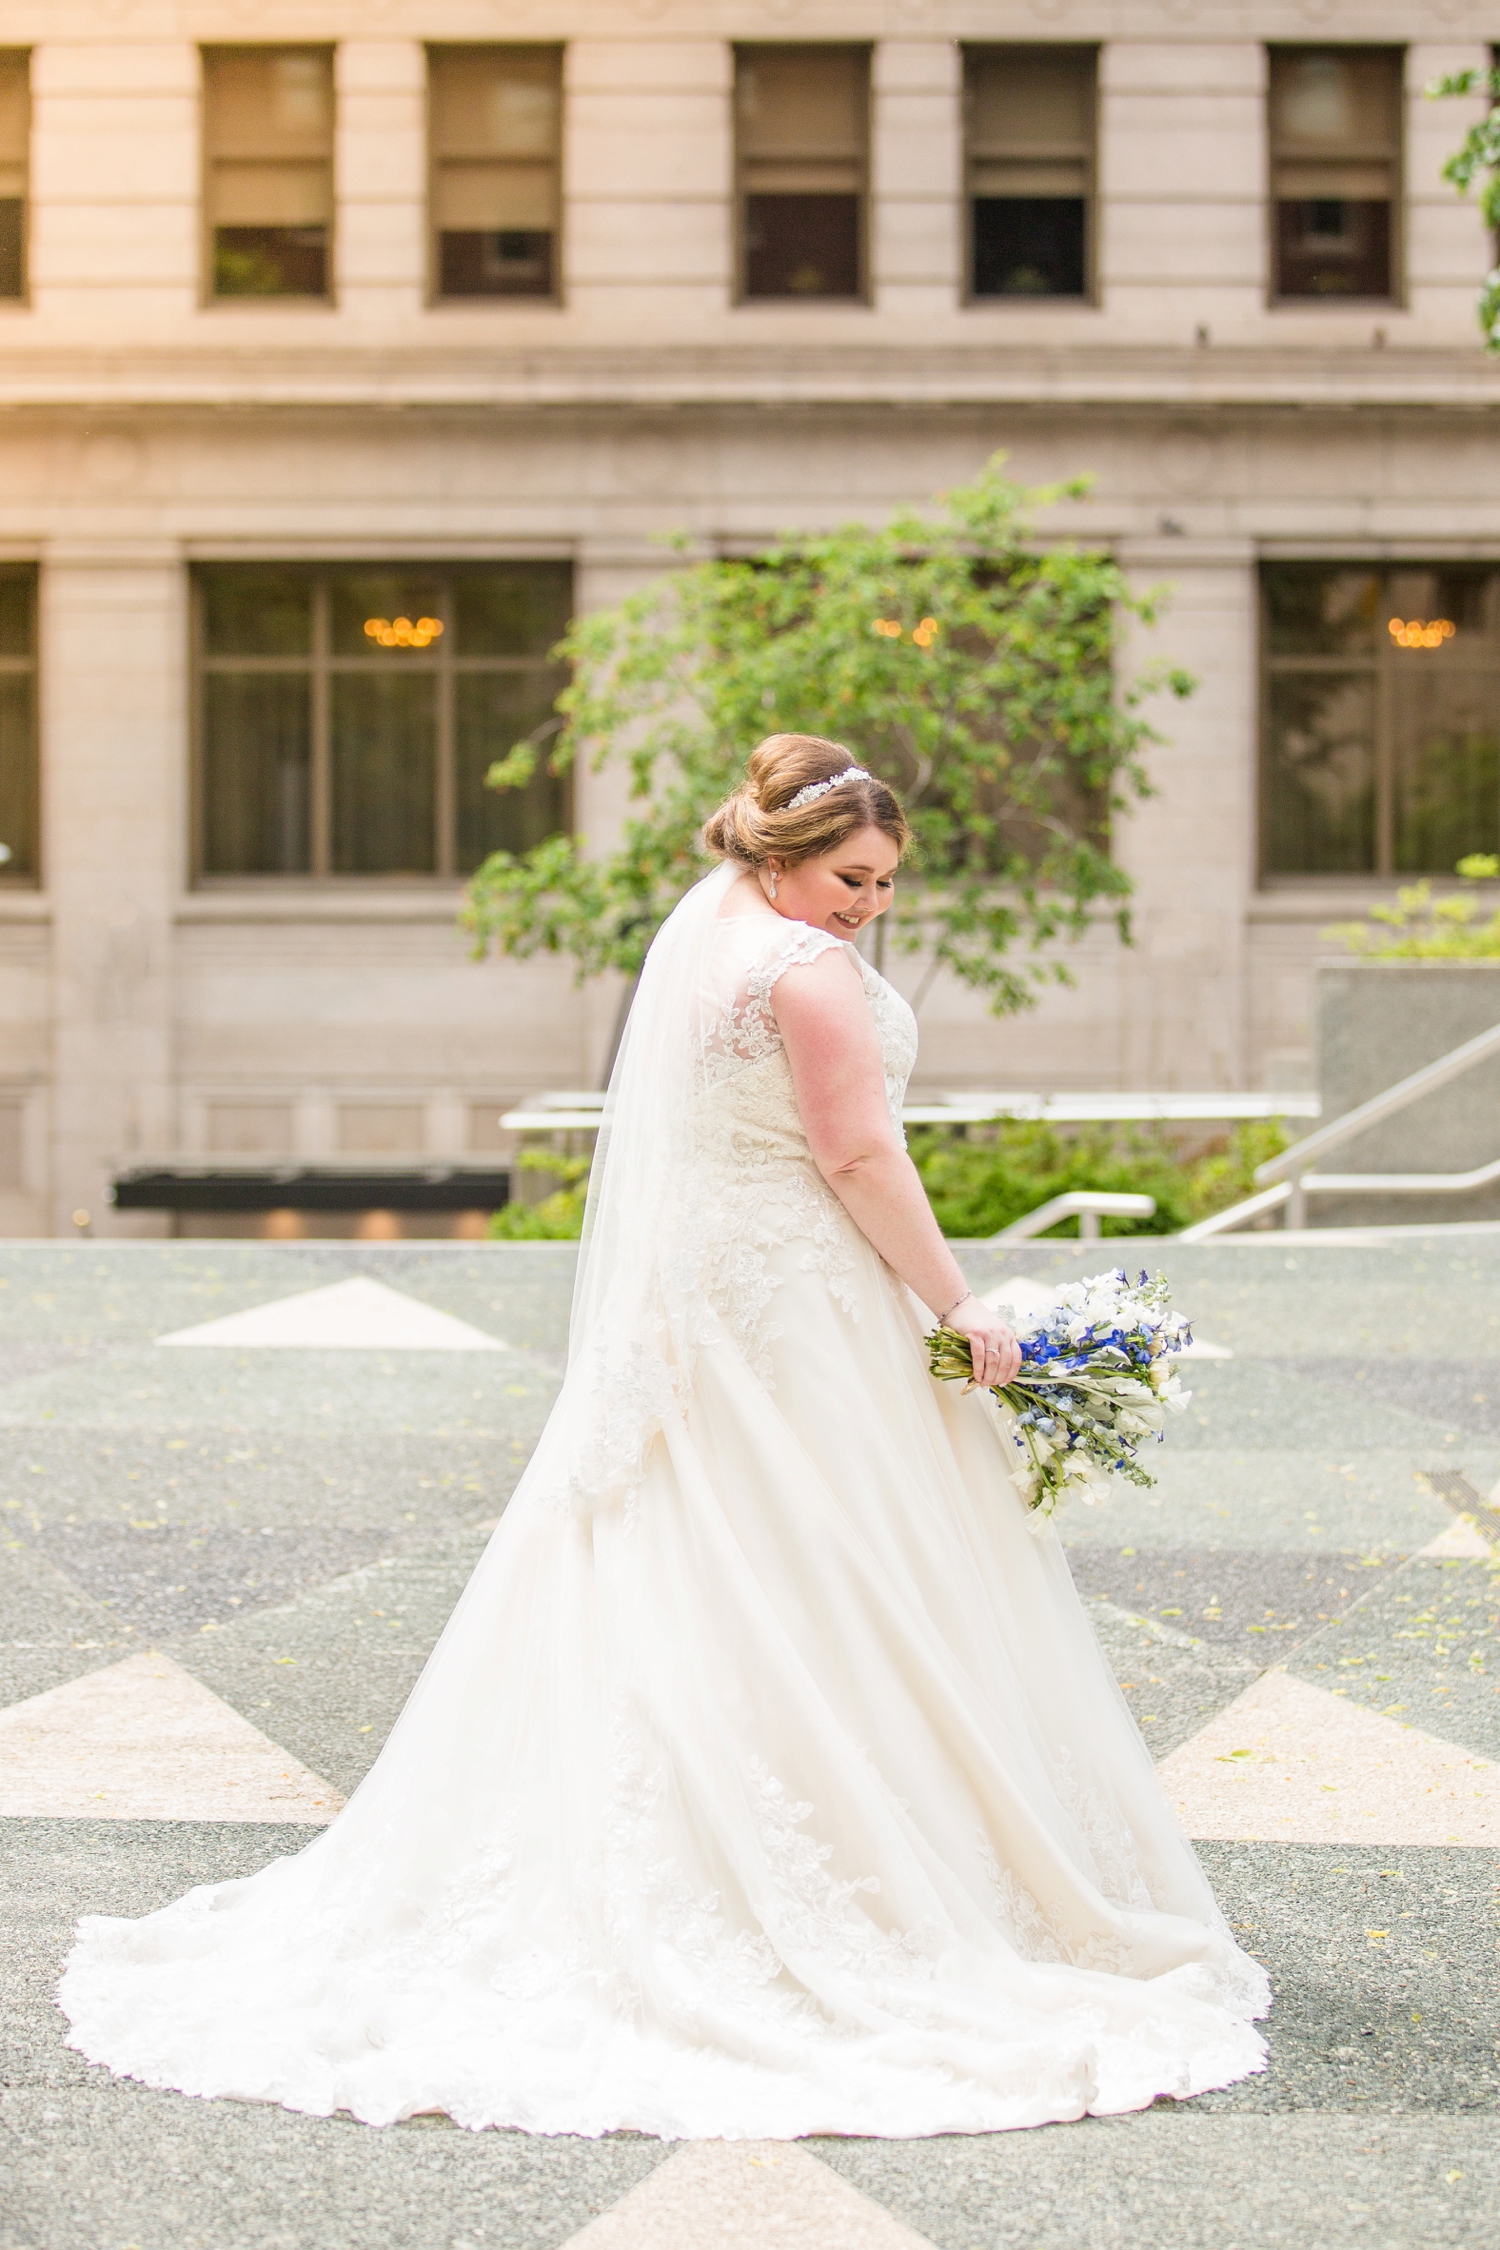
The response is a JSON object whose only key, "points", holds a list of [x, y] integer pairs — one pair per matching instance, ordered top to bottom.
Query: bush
{"points": [[1421, 928], [997, 1173], [559, 1216]]}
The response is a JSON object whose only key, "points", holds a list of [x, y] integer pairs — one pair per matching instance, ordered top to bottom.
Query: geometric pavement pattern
{"points": [[221, 1570]]}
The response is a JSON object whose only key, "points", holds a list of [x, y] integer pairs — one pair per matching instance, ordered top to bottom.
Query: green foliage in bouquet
{"points": [[973, 668], [1420, 927], [998, 1173]]}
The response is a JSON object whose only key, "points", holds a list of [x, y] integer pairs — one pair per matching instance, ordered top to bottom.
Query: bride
{"points": [[767, 1779]]}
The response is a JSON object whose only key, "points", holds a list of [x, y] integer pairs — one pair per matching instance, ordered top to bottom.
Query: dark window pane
{"points": [[12, 246], [802, 246], [1029, 246], [1333, 247], [270, 261], [510, 263], [17, 609], [256, 609], [511, 609], [1314, 609], [394, 613], [492, 712], [383, 738], [256, 772], [1447, 775], [18, 795], [1319, 813]]}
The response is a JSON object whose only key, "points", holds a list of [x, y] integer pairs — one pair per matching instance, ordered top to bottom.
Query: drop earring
{"points": [[775, 879]]}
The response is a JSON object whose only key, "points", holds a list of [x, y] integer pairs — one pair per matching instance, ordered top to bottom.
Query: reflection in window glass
{"points": [[1335, 118], [268, 130], [496, 133], [802, 133], [1029, 148], [15, 158], [257, 611], [397, 613], [501, 708], [348, 716], [1382, 719], [383, 746], [1321, 774], [257, 779], [19, 794]]}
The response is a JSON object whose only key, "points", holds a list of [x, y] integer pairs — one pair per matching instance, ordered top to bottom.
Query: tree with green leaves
{"points": [[1478, 158], [971, 666]]}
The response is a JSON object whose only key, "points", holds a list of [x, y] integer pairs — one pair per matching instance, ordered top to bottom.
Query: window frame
{"points": [[863, 296], [1089, 297], [1397, 297], [209, 298], [436, 298], [21, 299], [319, 666], [1379, 666], [29, 667]]}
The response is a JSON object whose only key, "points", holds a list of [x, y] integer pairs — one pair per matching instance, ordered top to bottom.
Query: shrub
{"points": [[1421, 928], [997, 1173], [559, 1216]]}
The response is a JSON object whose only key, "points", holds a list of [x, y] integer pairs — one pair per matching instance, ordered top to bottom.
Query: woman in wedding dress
{"points": [[767, 1779]]}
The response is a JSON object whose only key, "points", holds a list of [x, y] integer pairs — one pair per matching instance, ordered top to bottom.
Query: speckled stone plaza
{"points": [[223, 1566]]}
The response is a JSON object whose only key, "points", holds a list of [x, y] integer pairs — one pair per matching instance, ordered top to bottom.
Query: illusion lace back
{"points": [[767, 1779]]}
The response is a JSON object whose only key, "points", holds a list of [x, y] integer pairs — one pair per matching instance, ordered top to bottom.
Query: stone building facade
{"points": [[323, 322]]}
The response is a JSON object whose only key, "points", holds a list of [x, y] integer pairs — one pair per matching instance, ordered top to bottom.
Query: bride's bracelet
{"points": [[945, 1317]]}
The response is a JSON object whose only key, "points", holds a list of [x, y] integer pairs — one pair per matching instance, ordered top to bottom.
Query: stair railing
{"points": [[1288, 1179]]}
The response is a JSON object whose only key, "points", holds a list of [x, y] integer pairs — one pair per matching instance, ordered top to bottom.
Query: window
{"points": [[1029, 127], [495, 136], [15, 146], [802, 149], [268, 152], [1335, 171], [347, 717], [1382, 717], [18, 760]]}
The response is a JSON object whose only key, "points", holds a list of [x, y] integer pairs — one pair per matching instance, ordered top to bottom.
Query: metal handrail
{"points": [[1398, 1097], [1086, 1204]]}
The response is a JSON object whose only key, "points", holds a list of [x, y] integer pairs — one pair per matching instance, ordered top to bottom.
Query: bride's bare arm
{"points": [[839, 1076]]}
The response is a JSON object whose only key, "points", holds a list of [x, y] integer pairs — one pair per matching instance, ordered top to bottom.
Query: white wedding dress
{"points": [[768, 1779]]}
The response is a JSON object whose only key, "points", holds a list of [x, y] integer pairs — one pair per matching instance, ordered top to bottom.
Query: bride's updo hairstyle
{"points": [[758, 823]]}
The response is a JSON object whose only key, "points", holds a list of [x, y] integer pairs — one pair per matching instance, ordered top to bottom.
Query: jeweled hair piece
{"points": [[817, 789]]}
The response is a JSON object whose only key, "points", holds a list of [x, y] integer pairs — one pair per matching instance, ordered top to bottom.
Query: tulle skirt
{"points": [[793, 1796]]}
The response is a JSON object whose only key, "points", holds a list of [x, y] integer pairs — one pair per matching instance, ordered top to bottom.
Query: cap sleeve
{"points": [[801, 945]]}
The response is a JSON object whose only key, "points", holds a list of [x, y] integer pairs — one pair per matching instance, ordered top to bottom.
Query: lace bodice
{"points": [[747, 1101], [750, 1190]]}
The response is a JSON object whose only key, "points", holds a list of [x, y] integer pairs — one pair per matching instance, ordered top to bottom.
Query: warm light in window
{"points": [[400, 632], [1414, 632]]}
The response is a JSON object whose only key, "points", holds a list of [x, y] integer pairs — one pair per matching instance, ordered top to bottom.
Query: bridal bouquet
{"points": [[1096, 1380]]}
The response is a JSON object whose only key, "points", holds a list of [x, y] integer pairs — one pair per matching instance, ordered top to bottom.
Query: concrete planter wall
{"points": [[1377, 1021]]}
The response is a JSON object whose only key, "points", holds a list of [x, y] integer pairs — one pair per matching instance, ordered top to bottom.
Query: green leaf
{"points": [[991, 698]]}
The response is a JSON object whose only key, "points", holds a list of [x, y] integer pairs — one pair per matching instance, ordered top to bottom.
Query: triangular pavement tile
{"points": [[354, 1315], [1462, 1541], [144, 1740], [1288, 1761], [742, 2195]]}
